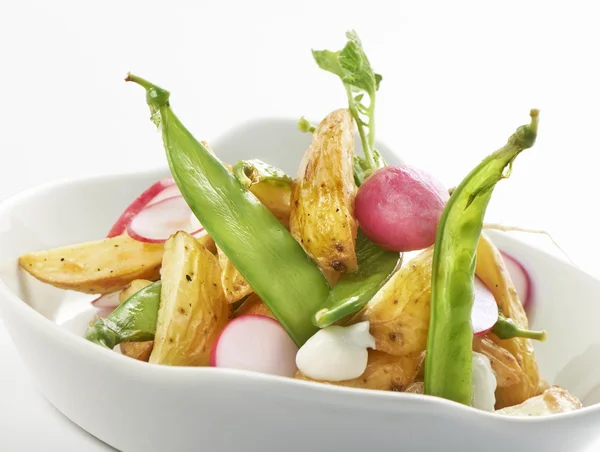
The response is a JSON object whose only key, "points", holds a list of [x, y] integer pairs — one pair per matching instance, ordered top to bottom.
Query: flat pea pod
{"points": [[252, 172], [258, 245], [354, 290], [134, 320], [448, 361]]}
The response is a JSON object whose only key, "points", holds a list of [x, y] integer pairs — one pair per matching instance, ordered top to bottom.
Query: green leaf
{"points": [[329, 61], [378, 79]]}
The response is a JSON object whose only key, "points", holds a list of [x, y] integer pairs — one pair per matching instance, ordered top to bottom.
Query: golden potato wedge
{"points": [[276, 197], [322, 217], [96, 267], [492, 271], [234, 284], [133, 287], [253, 305], [193, 309], [399, 312], [137, 350], [505, 366], [384, 372], [418, 387], [553, 401]]}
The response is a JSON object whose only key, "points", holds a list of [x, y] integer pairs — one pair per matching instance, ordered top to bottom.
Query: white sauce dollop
{"points": [[336, 353], [484, 383]]}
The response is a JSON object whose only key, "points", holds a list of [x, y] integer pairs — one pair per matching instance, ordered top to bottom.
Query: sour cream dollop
{"points": [[336, 353], [484, 383]]}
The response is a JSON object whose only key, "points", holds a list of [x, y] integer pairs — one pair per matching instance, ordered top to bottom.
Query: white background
{"points": [[458, 78]]}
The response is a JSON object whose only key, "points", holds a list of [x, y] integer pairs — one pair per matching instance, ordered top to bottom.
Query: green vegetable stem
{"points": [[264, 252], [134, 320], [507, 329], [449, 346]]}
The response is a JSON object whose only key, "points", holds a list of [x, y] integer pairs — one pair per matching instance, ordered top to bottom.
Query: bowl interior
{"points": [[565, 299]]}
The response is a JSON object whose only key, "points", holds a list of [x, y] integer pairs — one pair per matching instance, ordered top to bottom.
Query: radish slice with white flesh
{"points": [[169, 192], [140, 203], [156, 223], [520, 278], [107, 301], [484, 314], [256, 343]]}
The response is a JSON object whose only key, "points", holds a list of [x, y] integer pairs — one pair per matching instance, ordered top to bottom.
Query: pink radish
{"points": [[169, 192], [136, 206], [399, 208], [157, 222], [520, 278], [107, 301], [484, 314], [257, 343]]}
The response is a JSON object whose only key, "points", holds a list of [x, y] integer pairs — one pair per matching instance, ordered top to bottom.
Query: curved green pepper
{"points": [[263, 251], [353, 290], [134, 320], [507, 329], [449, 354]]}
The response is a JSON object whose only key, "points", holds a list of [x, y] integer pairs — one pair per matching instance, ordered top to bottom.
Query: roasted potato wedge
{"points": [[276, 197], [322, 217], [97, 267], [492, 271], [234, 284], [133, 287], [253, 305], [193, 309], [399, 312], [137, 350], [505, 366], [384, 372], [553, 401]]}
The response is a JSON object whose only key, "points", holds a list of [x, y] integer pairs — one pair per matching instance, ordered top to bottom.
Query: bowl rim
{"points": [[81, 346]]}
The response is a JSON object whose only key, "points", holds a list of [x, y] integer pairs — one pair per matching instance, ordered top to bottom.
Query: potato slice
{"points": [[276, 197], [322, 217], [97, 267], [492, 271], [234, 284], [133, 287], [253, 305], [193, 309], [399, 312], [137, 350], [505, 366], [384, 372], [553, 401]]}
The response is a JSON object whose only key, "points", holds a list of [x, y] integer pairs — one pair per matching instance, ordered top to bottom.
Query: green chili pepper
{"points": [[251, 172], [264, 252], [354, 290], [134, 320], [507, 329], [449, 346]]}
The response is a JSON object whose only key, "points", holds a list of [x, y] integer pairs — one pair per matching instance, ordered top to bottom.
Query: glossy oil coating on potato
{"points": [[322, 217], [97, 267], [492, 271], [253, 305], [193, 309], [399, 312], [384, 372], [553, 401]]}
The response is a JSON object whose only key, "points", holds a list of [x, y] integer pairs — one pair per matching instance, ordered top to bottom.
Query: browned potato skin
{"points": [[322, 217], [97, 267], [492, 271], [253, 305], [193, 309], [399, 312], [137, 350], [505, 366], [384, 372]]}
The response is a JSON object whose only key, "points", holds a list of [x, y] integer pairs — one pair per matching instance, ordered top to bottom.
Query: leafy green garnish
{"points": [[354, 69], [304, 125]]}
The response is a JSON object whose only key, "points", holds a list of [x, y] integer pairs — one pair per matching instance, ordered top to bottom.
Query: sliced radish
{"points": [[169, 192], [136, 206], [157, 222], [520, 278], [107, 301], [484, 314], [257, 343]]}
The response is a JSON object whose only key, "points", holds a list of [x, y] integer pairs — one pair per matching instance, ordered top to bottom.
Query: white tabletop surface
{"points": [[459, 77]]}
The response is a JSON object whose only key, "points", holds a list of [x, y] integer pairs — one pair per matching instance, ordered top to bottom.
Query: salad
{"points": [[350, 272]]}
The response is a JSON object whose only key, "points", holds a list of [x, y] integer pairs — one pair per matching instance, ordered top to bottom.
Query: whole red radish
{"points": [[399, 208]]}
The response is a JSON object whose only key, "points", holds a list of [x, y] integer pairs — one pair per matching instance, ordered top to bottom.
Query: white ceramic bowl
{"points": [[136, 406]]}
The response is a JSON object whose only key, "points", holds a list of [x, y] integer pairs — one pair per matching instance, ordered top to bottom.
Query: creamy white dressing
{"points": [[336, 353], [484, 383]]}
